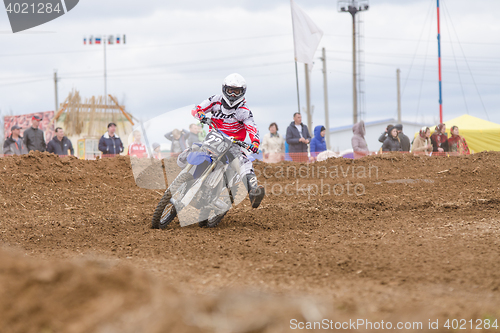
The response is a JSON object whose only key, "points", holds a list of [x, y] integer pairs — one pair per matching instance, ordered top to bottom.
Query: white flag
{"points": [[306, 35]]}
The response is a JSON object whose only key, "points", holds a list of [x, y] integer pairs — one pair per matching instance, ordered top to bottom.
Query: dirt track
{"points": [[421, 242]]}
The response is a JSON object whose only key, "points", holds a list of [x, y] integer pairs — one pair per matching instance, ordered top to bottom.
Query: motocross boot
{"points": [[255, 192]]}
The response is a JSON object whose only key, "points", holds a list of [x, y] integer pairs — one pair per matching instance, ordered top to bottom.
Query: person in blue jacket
{"points": [[110, 143], [318, 143]]}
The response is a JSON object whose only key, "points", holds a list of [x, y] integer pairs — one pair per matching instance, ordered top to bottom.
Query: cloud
{"points": [[178, 53]]}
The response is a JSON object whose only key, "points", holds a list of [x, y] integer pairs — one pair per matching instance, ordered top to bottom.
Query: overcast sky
{"points": [[178, 53]]}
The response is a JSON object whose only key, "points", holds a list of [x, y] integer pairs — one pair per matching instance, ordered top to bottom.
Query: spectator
{"points": [[193, 134], [202, 134], [297, 137], [34, 138], [382, 138], [358, 139], [439, 139], [178, 141], [405, 141], [392, 142], [110, 143], [318, 143], [422, 143], [457, 143], [14, 144], [60, 144], [273, 145], [136, 148], [157, 151]]}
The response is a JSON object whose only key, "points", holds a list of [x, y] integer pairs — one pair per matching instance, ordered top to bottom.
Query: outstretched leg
{"points": [[255, 192]]}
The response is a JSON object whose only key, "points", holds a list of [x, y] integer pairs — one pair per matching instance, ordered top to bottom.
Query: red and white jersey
{"points": [[234, 122], [137, 149]]}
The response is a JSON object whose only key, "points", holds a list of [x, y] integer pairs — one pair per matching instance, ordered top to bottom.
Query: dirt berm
{"points": [[396, 237]]}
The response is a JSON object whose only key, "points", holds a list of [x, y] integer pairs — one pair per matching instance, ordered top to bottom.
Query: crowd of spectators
{"points": [[34, 139], [182, 139], [424, 143], [297, 144], [300, 147]]}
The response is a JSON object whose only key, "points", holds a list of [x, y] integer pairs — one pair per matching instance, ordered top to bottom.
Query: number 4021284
{"points": [[40, 8], [463, 324]]}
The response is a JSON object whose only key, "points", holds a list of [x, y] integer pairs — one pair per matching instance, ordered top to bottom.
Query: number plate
{"points": [[217, 143]]}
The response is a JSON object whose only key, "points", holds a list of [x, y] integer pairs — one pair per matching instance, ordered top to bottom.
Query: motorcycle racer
{"points": [[232, 117]]}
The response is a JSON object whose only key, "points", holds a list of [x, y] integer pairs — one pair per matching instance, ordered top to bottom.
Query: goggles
{"points": [[234, 91]]}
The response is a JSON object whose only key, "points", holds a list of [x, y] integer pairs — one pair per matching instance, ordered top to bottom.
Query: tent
{"points": [[480, 134]]}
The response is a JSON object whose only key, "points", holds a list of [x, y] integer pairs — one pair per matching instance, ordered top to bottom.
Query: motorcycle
{"points": [[207, 186]]}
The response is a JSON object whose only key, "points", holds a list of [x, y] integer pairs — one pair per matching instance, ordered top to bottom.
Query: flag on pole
{"points": [[306, 35], [111, 39], [117, 39], [123, 39], [84, 40], [91, 40], [98, 40]]}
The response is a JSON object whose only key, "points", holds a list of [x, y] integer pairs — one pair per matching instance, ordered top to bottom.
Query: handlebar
{"points": [[211, 124]]}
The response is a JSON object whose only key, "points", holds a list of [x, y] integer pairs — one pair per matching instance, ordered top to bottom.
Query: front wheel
{"points": [[164, 212]]}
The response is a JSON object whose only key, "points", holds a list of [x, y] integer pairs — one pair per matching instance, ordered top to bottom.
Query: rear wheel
{"points": [[212, 217], [214, 221]]}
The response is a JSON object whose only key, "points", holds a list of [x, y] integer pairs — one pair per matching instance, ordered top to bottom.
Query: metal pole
{"points": [[295, 54], [439, 61], [398, 72], [105, 75], [297, 80], [354, 83], [325, 89], [55, 90], [308, 99]]}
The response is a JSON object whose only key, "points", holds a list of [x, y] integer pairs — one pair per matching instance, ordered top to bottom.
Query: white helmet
{"points": [[233, 90]]}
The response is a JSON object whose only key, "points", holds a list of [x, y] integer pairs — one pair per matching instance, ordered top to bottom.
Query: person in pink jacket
{"points": [[358, 141]]}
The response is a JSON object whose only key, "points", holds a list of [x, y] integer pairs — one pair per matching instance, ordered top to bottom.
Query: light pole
{"points": [[353, 7], [110, 39]]}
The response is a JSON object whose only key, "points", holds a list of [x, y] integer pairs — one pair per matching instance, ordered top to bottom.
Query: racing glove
{"points": [[198, 113], [201, 115], [254, 147]]}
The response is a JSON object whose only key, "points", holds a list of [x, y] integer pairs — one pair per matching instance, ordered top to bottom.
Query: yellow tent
{"points": [[480, 134]]}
